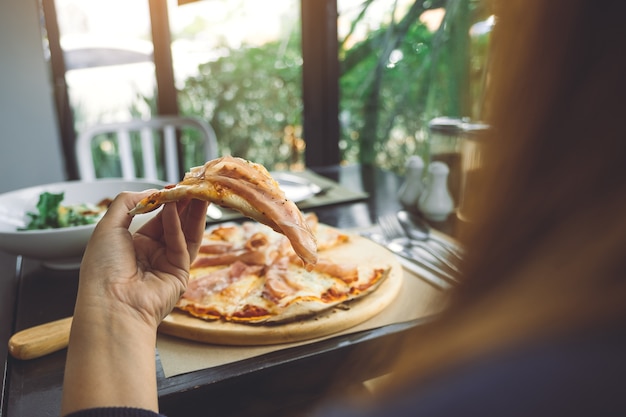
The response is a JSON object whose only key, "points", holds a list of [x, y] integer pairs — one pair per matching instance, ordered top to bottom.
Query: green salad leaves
{"points": [[52, 215]]}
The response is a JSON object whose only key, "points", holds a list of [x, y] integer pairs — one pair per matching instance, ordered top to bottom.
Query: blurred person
{"points": [[538, 326]]}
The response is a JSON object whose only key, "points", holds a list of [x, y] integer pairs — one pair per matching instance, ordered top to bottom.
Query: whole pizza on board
{"points": [[247, 286]]}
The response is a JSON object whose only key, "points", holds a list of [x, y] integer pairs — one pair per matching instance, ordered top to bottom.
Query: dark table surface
{"points": [[273, 384]]}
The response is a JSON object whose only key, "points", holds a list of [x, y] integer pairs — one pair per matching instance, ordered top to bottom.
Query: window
{"points": [[108, 59], [238, 66], [354, 80]]}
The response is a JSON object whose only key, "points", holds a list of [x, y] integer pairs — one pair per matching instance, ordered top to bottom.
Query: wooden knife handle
{"points": [[41, 340]]}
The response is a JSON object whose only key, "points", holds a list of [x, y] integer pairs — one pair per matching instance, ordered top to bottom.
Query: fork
{"points": [[417, 229], [394, 232]]}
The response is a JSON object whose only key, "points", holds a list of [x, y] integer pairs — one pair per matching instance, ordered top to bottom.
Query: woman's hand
{"points": [[144, 273], [128, 284]]}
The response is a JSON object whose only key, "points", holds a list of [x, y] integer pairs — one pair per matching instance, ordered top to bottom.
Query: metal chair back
{"points": [[162, 132]]}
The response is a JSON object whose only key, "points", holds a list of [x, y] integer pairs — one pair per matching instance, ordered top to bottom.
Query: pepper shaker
{"points": [[413, 186], [436, 202]]}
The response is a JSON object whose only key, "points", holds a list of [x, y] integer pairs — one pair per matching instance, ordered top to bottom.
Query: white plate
{"points": [[296, 188], [59, 248]]}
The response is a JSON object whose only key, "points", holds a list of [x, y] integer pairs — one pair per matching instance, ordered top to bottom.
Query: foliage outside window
{"points": [[414, 67], [394, 78], [250, 90], [252, 98]]}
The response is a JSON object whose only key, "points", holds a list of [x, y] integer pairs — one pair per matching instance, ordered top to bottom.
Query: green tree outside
{"points": [[391, 84]]}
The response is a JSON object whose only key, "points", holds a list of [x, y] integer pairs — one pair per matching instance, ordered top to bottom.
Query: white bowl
{"points": [[59, 248]]}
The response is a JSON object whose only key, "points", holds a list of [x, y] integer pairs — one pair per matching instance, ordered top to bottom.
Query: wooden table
{"points": [[272, 384]]}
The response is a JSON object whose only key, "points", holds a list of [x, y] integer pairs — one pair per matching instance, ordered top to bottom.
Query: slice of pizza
{"points": [[248, 188]]}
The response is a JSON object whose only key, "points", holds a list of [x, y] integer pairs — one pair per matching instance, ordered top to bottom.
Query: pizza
{"points": [[244, 186], [266, 272], [249, 274]]}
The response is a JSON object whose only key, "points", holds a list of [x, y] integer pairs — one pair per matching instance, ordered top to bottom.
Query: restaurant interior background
{"points": [[242, 67]]}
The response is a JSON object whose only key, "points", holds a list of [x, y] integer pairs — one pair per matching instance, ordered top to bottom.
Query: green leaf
{"points": [[47, 216]]}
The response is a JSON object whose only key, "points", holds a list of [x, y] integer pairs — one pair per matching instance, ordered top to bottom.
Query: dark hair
{"points": [[547, 250]]}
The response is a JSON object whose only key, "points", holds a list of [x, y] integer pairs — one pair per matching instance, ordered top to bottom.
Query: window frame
{"points": [[320, 82]]}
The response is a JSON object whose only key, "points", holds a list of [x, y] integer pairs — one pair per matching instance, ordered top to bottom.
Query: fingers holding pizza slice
{"points": [[248, 188]]}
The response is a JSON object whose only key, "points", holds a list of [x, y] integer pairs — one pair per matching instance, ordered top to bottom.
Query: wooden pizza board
{"points": [[359, 250]]}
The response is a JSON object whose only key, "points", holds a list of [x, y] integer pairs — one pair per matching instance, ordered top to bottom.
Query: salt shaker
{"points": [[445, 142], [413, 186], [436, 202]]}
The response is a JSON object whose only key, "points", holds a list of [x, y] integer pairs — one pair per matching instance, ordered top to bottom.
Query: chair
{"points": [[161, 132]]}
